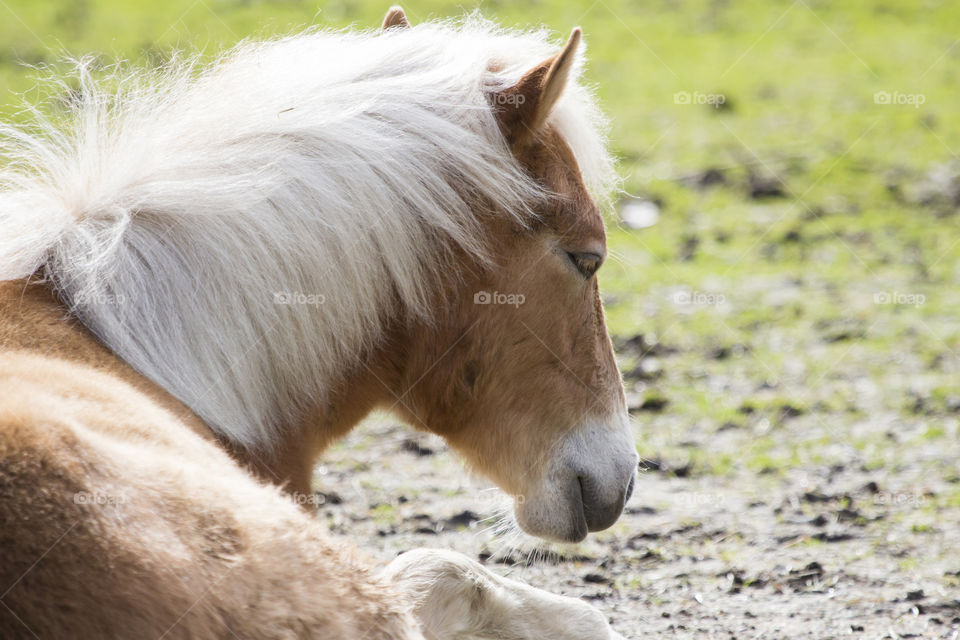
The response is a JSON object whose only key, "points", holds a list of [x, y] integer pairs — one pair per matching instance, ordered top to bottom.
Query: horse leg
{"points": [[454, 596]]}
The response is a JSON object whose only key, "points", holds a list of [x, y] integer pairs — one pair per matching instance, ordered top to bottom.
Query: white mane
{"points": [[180, 208]]}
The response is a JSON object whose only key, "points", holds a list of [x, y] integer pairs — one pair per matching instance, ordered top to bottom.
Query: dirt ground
{"points": [[814, 553]]}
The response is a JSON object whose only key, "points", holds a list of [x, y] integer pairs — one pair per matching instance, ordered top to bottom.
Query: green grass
{"points": [[799, 274]]}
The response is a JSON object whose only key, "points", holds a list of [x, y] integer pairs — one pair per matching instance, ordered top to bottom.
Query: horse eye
{"points": [[586, 263]]}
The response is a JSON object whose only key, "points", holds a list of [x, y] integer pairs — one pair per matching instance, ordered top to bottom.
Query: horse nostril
{"points": [[629, 491], [585, 498], [602, 508]]}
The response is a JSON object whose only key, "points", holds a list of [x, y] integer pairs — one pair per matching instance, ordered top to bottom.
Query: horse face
{"points": [[520, 376], [553, 395]]}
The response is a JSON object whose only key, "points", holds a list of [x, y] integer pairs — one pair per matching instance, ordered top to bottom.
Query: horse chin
{"points": [[556, 518]]}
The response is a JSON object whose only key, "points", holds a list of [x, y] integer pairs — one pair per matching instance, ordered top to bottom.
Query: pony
{"points": [[212, 271]]}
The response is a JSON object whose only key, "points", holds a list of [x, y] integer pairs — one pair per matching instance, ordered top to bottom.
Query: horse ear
{"points": [[395, 18], [523, 108]]}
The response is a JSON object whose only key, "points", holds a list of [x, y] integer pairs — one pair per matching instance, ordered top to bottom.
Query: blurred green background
{"points": [[793, 297]]}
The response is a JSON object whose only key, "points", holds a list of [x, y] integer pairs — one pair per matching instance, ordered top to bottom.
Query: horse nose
{"points": [[602, 506]]}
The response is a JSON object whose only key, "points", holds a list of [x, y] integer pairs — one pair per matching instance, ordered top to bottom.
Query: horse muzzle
{"points": [[586, 485]]}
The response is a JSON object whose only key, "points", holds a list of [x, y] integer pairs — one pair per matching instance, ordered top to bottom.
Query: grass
{"points": [[836, 294]]}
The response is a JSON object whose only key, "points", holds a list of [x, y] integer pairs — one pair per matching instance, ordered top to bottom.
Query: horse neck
{"points": [[32, 318], [373, 383]]}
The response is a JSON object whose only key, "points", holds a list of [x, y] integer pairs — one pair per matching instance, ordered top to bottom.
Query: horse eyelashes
{"points": [[586, 263]]}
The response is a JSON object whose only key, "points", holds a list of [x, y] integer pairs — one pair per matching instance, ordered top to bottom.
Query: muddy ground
{"points": [[841, 551]]}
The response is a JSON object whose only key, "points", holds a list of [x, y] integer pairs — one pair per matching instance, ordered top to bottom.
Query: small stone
{"points": [[639, 214], [461, 520], [819, 521]]}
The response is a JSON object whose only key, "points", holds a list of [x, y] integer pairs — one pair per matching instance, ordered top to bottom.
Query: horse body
{"points": [[250, 289], [119, 520]]}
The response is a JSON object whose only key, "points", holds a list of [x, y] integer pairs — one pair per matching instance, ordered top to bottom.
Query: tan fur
{"points": [[395, 18], [33, 319], [458, 377], [461, 378], [121, 515], [116, 520]]}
